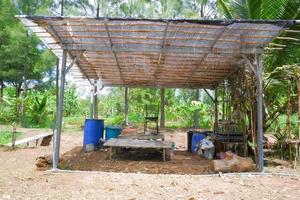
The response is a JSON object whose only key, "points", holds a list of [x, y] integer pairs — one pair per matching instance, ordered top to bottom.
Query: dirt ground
{"points": [[19, 179]]}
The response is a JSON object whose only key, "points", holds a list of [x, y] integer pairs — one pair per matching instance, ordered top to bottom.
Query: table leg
{"points": [[164, 155]]}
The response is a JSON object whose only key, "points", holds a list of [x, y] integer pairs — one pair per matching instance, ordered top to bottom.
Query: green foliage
{"points": [[259, 9], [71, 106], [180, 106], [5, 136]]}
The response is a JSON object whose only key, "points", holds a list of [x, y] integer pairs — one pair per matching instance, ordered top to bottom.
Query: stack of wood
{"points": [[43, 162], [233, 163]]}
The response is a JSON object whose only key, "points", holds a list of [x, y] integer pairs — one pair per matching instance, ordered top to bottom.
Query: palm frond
{"points": [[224, 8]]}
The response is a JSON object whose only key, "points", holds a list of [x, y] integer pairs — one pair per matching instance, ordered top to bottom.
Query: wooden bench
{"points": [[46, 138], [140, 144]]}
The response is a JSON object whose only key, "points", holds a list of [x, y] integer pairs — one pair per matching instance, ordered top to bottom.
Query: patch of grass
{"points": [[5, 136], [64, 167]]}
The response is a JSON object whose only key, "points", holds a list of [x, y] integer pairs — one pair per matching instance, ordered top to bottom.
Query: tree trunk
{"points": [[62, 8], [98, 8], [298, 84], [1, 90], [95, 103], [126, 106], [162, 108], [196, 113], [288, 118]]}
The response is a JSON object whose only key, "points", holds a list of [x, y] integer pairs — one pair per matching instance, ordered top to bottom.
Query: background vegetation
{"points": [[27, 96]]}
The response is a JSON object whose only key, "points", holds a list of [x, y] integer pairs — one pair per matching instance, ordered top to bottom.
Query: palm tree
{"points": [[259, 9], [274, 59]]}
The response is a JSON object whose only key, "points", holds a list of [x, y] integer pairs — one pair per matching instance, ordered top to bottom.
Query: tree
{"points": [[277, 98]]}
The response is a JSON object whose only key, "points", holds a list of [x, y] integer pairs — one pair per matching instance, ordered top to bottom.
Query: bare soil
{"points": [[136, 161], [19, 179]]}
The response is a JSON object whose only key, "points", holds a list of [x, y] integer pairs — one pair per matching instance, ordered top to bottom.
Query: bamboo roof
{"points": [[155, 52]]}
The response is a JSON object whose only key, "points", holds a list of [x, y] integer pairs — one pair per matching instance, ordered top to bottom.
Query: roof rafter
{"points": [[162, 51], [114, 53], [204, 57]]}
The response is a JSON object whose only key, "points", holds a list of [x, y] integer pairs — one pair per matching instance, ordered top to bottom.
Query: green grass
{"points": [[5, 136]]}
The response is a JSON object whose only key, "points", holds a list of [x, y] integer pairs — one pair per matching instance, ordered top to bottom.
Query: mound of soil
{"points": [[143, 161]]}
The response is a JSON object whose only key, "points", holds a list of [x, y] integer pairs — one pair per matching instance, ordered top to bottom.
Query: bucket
{"points": [[93, 132], [112, 132], [196, 138]]}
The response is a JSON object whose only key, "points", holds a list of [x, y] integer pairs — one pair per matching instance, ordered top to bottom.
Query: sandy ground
{"points": [[20, 180]]}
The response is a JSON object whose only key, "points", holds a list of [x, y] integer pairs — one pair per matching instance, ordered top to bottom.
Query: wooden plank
{"points": [[143, 137], [30, 139], [144, 144]]}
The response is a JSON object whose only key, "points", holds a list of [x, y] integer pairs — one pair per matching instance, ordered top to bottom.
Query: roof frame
{"points": [[202, 53]]}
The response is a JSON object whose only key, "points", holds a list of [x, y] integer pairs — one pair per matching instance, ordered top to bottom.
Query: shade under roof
{"points": [[155, 53]]}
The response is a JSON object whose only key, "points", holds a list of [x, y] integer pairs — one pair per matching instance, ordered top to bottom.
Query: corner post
{"points": [[61, 88], [126, 106], [260, 113]]}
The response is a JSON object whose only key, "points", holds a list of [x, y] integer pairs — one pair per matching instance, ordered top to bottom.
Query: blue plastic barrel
{"points": [[93, 131], [112, 132], [196, 138]]}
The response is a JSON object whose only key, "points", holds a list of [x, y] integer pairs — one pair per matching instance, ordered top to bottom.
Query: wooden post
{"points": [[62, 8], [61, 89], [95, 102], [126, 106], [162, 107], [216, 111], [196, 112], [260, 133]]}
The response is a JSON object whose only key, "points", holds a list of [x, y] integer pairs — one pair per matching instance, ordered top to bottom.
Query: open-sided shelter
{"points": [[162, 53]]}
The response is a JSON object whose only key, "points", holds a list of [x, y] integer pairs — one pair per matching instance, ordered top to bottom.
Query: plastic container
{"points": [[93, 132], [112, 132], [196, 138]]}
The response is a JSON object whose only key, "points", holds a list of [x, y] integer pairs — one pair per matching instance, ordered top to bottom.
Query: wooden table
{"points": [[143, 137], [139, 144]]}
